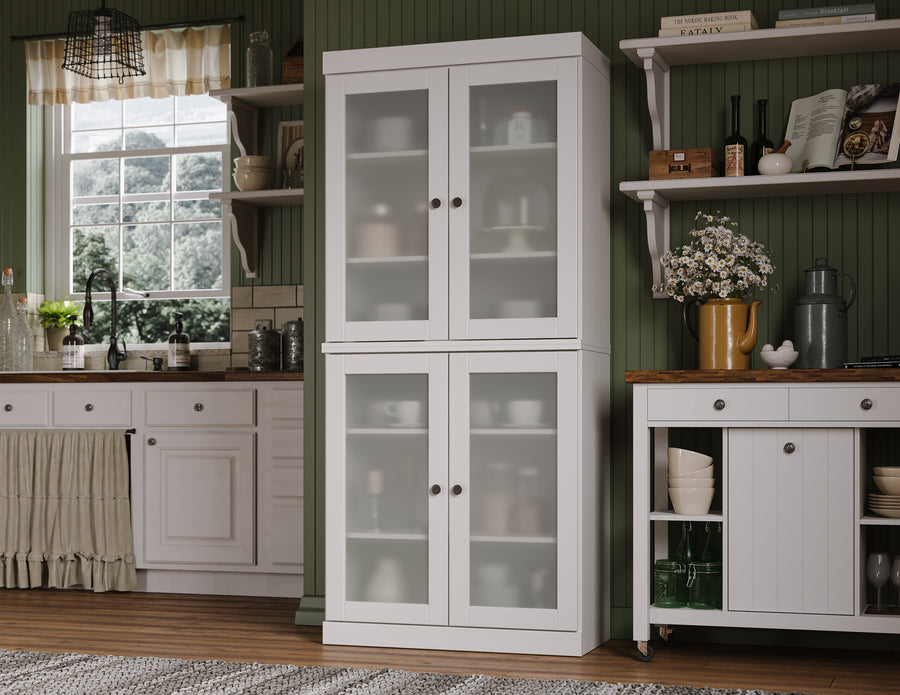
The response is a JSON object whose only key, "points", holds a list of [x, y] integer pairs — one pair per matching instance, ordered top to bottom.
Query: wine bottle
{"points": [[735, 144], [762, 145]]}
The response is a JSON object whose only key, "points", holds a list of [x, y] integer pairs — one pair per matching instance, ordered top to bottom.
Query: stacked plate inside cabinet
{"points": [[887, 479]]}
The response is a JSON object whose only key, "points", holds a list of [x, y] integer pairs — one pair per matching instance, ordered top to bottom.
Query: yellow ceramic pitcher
{"points": [[728, 331]]}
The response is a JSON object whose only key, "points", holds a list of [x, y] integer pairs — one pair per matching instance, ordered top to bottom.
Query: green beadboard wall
{"points": [[21, 225], [852, 231]]}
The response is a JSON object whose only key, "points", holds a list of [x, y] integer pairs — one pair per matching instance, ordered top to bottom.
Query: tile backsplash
{"points": [[249, 305]]}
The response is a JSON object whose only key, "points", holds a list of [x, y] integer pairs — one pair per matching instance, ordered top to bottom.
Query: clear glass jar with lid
{"points": [[259, 60]]}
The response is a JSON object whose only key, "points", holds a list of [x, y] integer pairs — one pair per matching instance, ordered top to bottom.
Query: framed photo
{"points": [[289, 163]]}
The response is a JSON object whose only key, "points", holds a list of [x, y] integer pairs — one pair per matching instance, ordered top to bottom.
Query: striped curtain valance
{"points": [[179, 62]]}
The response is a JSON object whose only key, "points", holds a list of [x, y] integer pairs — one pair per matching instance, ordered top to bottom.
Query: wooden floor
{"points": [[262, 630]]}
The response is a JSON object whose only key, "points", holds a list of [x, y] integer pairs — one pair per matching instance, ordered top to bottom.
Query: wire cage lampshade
{"points": [[103, 43]]}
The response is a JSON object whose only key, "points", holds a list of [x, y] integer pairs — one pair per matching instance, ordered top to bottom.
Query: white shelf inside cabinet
{"points": [[656, 56], [241, 206]]}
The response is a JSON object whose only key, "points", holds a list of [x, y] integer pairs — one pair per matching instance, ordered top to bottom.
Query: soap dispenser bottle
{"points": [[179, 347], [73, 350]]}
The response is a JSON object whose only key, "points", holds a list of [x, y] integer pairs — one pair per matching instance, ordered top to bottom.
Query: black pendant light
{"points": [[103, 43]]}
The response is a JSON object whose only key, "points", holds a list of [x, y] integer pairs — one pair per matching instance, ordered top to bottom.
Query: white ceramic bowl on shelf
{"points": [[254, 161], [253, 179], [684, 461], [887, 471], [694, 475], [692, 482], [888, 485], [691, 500]]}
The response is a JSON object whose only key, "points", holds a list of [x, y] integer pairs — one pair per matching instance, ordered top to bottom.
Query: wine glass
{"points": [[878, 570], [895, 576]]}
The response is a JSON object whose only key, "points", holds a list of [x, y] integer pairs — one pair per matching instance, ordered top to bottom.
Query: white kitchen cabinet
{"points": [[460, 204], [467, 345], [793, 478], [463, 493], [199, 494]]}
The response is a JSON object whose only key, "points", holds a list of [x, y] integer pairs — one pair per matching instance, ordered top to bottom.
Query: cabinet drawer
{"points": [[854, 403], [715, 404], [92, 408], [198, 408], [24, 409]]}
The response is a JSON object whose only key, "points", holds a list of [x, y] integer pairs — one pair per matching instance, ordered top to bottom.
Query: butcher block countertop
{"points": [[98, 376], [741, 376]]}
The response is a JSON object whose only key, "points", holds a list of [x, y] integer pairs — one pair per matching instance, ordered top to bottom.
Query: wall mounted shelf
{"points": [[656, 56], [241, 207]]}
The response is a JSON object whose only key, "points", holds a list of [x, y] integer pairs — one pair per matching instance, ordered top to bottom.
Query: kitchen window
{"points": [[130, 182]]}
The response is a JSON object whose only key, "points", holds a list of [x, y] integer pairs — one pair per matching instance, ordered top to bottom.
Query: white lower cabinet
{"points": [[199, 493], [794, 499], [464, 501], [790, 520]]}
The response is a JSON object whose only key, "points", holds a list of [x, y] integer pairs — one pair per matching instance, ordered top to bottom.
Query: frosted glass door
{"points": [[387, 146], [512, 149], [511, 437], [392, 442]]}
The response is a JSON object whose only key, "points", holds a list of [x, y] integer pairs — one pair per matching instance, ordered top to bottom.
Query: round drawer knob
{"points": [[456, 202], [435, 203], [719, 404], [866, 404], [8, 407], [88, 407], [198, 407], [151, 442], [789, 448], [435, 489], [456, 489]]}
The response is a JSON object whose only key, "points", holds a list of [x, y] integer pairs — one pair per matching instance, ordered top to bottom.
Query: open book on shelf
{"points": [[844, 126]]}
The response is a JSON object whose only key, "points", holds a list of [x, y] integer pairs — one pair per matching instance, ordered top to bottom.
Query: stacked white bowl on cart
{"points": [[691, 481]]}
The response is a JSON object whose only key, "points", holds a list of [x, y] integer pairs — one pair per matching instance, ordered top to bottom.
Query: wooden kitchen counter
{"points": [[98, 376], [737, 376]]}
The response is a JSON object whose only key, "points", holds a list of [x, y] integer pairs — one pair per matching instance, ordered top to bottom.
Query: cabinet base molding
{"points": [[220, 583], [545, 642]]}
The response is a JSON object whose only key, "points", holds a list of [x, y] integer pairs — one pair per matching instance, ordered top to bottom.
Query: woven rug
{"points": [[84, 674]]}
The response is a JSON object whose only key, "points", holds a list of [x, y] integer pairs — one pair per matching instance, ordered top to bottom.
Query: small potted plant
{"points": [[56, 317]]}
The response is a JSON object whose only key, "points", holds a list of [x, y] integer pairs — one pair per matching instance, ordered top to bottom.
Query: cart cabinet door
{"points": [[790, 520]]}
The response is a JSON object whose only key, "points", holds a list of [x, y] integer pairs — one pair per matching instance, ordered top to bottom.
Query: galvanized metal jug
{"points": [[820, 319]]}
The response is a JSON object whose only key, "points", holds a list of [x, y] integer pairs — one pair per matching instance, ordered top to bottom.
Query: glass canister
{"points": [[259, 60], [292, 346], [705, 585], [669, 587]]}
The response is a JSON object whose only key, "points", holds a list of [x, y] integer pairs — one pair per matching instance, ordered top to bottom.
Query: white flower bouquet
{"points": [[718, 263]]}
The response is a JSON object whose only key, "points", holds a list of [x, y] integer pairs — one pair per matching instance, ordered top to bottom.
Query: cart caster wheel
{"points": [[664, 632], [645, 651]]}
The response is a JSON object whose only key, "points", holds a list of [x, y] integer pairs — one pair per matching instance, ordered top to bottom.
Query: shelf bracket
{"points": [[656, 70], [656, 209], [244, 221]]}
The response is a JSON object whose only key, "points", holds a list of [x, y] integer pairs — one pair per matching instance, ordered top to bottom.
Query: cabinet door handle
{"points": [[456, 202], [435, 203], [719, 404], [866, 404], [8, 407], [88, 407], [198, 407], [151, 442], [789, 448], [435, 489], [456, 489]]}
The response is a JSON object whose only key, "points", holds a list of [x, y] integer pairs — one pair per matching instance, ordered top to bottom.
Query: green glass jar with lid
{"points": [[669, 585]]}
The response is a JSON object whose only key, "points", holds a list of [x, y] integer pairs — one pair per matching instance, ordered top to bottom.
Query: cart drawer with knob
{"points": [[846, 403], [713, 404], [83, 408], [203, 408], [24, 409]]}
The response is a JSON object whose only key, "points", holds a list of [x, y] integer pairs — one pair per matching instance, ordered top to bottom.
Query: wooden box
{"points": [[292, 64], [684, 164]]}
